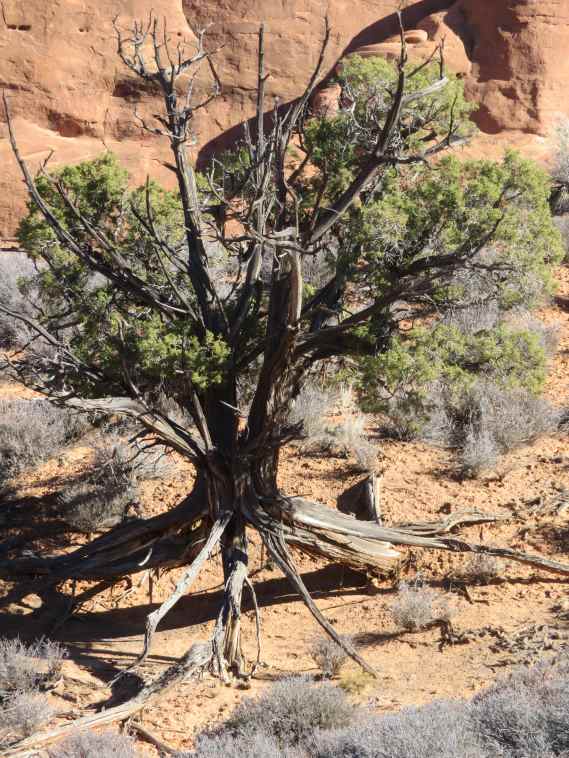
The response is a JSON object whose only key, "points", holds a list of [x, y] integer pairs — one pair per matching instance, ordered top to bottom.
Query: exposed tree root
{"points": [[363, 499], [302, 515], [282, 522], [297, 522], [447, 525], [163, 541], [278, 550], [183, 585], [251, 588], [77, 601], [227, 634], [197, 658], [149, 737]]}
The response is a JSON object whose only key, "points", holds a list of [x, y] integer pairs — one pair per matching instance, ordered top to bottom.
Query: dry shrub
{"points": [[560, 167], [562, 223], [14, 267], [474, 318], [547, 334], [484, 402], [312, 410], [514, 417], [500, 420], [486, 421], [32, 431], [349, 438], [480, 452], [118, 461], [101, 499], [94, 506], [480, 569], [417, 607], [328, 656], [26, 667], [23, 670], [291, 711], [23, 713], [526, 715], [439, 730], [105, 744], [244, 746]]}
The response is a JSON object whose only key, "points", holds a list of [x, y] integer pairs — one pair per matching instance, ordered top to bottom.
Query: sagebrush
{"points": [[15, 268], [499, 420], [330, 421], [32, 431], [101, 498], [480, 569], [417, 607], [328, 656], [25, 667], [291, 711], [23, 713], [525, 715], [439, 730], [106, 744], [241, 746]]}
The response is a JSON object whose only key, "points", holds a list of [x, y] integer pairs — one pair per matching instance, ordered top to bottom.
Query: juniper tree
{"points": [[313, 240]]}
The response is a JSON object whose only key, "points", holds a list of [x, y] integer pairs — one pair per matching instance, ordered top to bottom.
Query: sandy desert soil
{"points": [[511, 621]]}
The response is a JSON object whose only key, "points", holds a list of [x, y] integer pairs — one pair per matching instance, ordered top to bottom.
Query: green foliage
{"points": [[337, 144], [228, 172], [97, 188], [455, 209], [449, 213], [434, 236], [438, 236], [110, 327], [156, 348], [445, 352], [512, 358]]}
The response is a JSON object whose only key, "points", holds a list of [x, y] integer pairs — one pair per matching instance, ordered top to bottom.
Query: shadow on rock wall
{"points": [[372, 34]]}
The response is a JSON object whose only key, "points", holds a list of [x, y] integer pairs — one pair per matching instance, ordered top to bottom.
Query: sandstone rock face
{"points": [[450, 28], [520, 66], [70, 93]]}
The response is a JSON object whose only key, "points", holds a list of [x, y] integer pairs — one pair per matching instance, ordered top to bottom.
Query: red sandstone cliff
{"points": [[70, 93]]}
